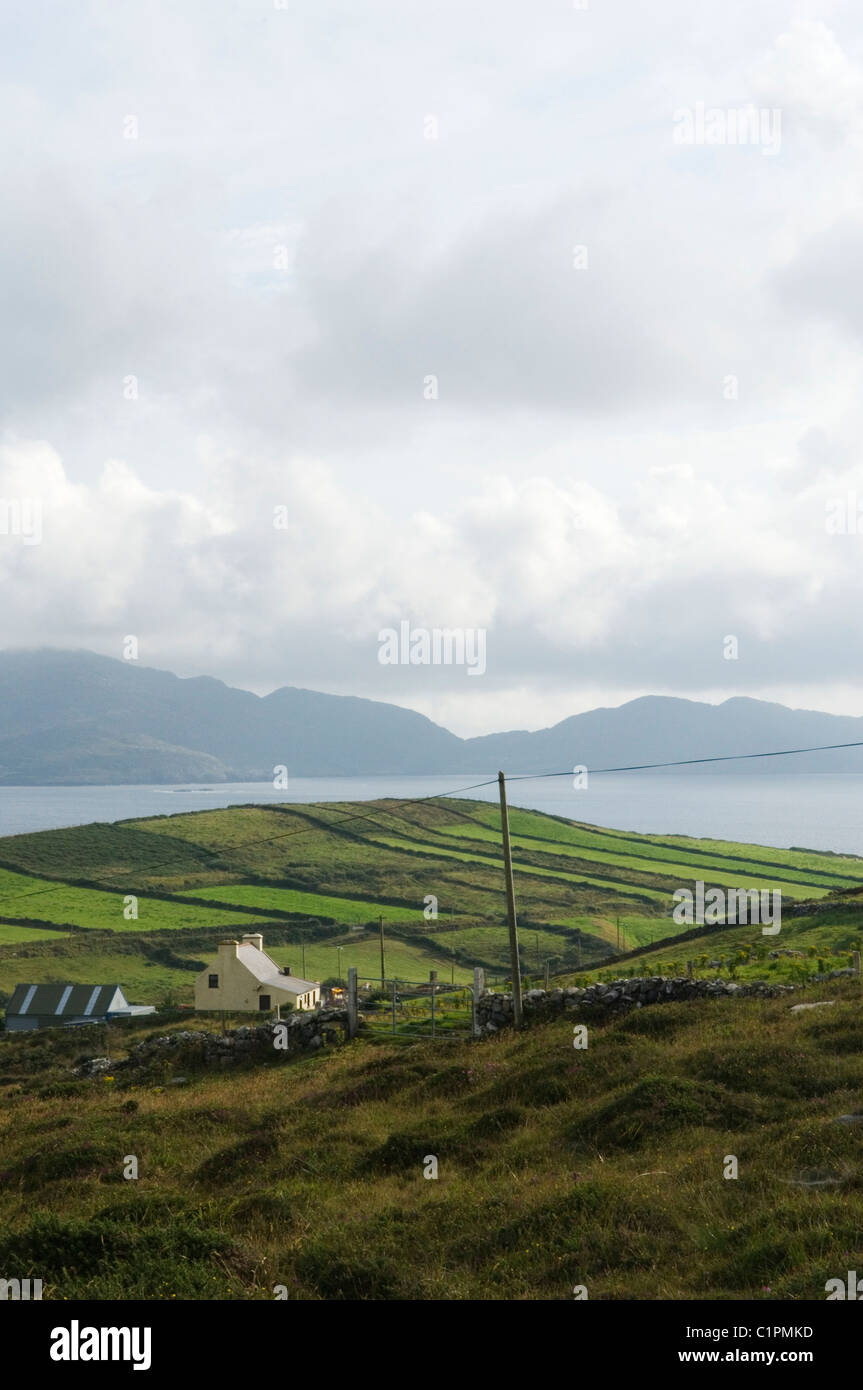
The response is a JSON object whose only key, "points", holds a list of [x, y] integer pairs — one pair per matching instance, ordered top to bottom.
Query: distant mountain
{"points": [[75, 718], [78, 718], [659, 728]]}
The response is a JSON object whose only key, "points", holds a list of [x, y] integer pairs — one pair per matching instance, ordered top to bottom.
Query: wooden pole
{"points": [[510, 904], [383, 967], [433, 983], [352, 1001]]}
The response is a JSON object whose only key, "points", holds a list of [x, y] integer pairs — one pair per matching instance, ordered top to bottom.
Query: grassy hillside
{"points": [[351, 864], [321, 874], [805, 946], [557, 1167], [601, 1167]]}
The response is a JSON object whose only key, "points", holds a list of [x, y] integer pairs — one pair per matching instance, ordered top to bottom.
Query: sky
{"points": [[322, 318]]}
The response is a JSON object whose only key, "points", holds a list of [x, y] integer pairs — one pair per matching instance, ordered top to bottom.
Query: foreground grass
{"points": [[557, 1167]]}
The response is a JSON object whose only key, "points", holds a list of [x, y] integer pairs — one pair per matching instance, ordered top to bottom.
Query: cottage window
{"points": [[214, 982], [263, 1002]]}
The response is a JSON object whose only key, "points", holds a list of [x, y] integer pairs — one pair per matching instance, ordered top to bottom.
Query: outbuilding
{"points": [[66, 1006]]}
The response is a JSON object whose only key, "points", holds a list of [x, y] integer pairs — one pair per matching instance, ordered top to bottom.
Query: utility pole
{"points": [[510, 904], [383, 967]]}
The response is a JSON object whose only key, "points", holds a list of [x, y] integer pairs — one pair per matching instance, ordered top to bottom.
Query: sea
{"points": [[805, 810]]}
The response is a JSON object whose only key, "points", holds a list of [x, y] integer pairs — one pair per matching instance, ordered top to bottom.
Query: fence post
{"points": [[856, 962], [689, 969], [433, 983], [478, 987], [352, 1001], [394, 1006]]}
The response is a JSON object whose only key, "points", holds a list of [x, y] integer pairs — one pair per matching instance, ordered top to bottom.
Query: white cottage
{"points": [[244, 979]]}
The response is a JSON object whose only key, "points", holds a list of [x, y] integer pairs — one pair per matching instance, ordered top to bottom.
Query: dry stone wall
{"points": [[494, 1011], [304, 1032]]}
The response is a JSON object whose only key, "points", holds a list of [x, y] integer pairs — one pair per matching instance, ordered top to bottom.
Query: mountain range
{"points": [[77, 718]]}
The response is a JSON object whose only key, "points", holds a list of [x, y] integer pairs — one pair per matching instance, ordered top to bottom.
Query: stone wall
{"points": [[494, 1011], [306, 1031]]}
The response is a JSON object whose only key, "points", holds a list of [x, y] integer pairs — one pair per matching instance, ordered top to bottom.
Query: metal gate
{"points": [[413, 1009]]}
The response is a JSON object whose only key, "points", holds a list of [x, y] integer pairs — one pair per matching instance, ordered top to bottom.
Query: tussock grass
{"points": [[557, 1166]]}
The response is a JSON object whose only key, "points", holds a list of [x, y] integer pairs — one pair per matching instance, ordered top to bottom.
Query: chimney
{"points": [[254, 938], [228, 951]]}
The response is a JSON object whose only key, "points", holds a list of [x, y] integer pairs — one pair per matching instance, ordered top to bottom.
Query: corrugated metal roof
{"points": [[66, 1001]]}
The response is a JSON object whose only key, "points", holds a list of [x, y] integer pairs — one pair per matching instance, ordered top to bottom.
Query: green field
{"points": [[667, 866], [583, 893], [21, 895], [349, 911], [11, 934]]}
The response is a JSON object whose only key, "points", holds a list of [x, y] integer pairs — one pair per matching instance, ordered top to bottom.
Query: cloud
{"points": [[814, 81], [631, 448], [572, 589]]}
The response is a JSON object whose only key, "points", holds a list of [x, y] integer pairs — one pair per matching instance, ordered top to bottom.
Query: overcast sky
{"points": [[239, 240]]}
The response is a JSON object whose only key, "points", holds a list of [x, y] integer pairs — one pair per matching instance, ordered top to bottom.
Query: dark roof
{"points": [[64, 1001]]}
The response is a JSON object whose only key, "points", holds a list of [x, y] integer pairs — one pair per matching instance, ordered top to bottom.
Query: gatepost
{"points": [[478, 987], [352, 1001]]}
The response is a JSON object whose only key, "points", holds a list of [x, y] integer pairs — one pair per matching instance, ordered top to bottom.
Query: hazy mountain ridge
{"points": [[76, 718]]}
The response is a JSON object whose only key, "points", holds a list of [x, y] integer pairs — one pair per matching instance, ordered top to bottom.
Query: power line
{"points": [[688, 762]]}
